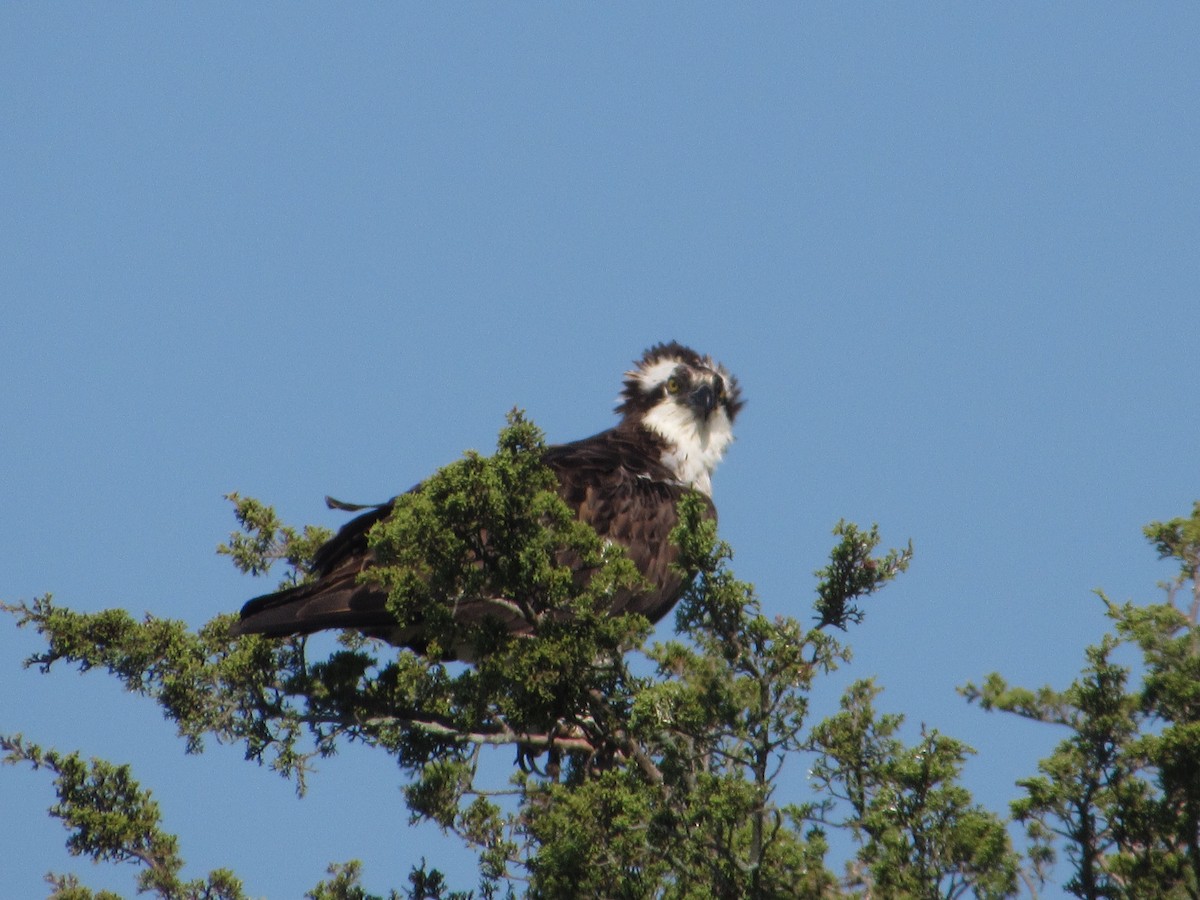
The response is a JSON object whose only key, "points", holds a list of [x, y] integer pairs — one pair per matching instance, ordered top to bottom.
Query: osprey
{"points": [[677, 410]]}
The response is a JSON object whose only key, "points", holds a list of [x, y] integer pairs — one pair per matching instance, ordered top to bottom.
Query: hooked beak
{"points": [[703, 400]]}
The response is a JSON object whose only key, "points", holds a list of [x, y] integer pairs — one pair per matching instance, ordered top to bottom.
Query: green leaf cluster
{"points": [[1120, 795], [112, 819], [918, 831]]}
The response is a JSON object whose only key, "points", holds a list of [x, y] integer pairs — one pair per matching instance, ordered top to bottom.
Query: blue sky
{"points": [[289, 250]]}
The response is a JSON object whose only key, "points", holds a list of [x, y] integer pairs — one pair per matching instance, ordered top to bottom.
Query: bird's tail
{"points": [[337, 600]]}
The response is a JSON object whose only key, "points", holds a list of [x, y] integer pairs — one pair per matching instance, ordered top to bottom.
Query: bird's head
{"points": [[689, 402]]}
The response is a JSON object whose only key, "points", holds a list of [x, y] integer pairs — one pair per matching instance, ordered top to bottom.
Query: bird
{"points": [[677, 409]]}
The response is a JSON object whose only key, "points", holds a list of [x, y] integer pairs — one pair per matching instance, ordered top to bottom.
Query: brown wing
{"points": [[613, 480], [616, 484]]}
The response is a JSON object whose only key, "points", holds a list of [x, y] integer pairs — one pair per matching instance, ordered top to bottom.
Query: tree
{"points": [[642, 770], [1121, 793]]}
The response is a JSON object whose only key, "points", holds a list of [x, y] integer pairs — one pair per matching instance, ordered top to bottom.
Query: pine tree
{"points": [[642, 769], [1121, 793]]}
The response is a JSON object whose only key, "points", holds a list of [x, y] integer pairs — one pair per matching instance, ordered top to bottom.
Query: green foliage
{"points": [[1179, 539], [264, 541], [852, 573], [204, 682], [642, 771], [1121, 793], [112, 819], [919, 833], [345, 883]]}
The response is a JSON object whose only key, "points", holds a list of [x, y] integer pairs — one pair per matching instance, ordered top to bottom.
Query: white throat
{"points": [[694, 447]]}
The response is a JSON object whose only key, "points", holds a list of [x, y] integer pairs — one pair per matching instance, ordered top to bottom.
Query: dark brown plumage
{"points": [[677, 411]]}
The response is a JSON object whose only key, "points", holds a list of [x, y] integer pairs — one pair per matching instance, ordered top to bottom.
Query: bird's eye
{"points": [[672, 385]]}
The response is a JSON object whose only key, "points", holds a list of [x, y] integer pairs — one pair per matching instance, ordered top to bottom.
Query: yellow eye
{"points": [[672, 385]]}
